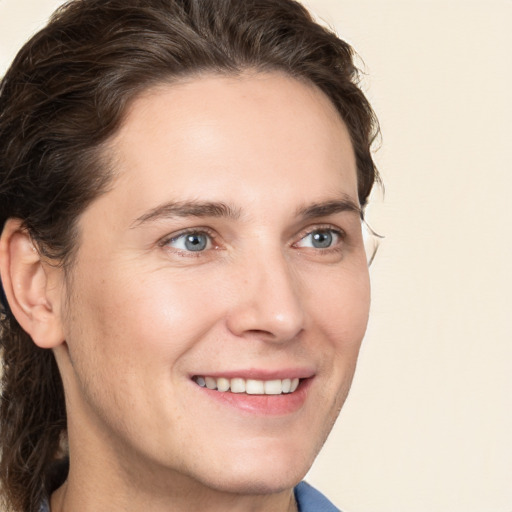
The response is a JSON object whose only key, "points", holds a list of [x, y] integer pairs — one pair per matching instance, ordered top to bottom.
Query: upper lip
{"points": [[260, 374]]}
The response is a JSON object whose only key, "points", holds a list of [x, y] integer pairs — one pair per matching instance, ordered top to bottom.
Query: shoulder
{"points": [[311, 500]]}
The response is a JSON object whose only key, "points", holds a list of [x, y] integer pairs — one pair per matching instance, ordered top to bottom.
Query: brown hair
{"points": [[65, 95]]}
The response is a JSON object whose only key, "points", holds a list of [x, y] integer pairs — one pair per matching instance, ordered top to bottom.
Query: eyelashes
{"points": [[321, 238], [192, 241], [198, 241]]}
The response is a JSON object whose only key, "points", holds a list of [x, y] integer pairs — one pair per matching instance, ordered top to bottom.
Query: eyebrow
{"points": [[326, 208], [188, 209], [217, 209]]}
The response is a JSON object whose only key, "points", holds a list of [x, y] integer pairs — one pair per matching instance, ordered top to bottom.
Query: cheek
{"points": [[342, 307], [152, 314]]}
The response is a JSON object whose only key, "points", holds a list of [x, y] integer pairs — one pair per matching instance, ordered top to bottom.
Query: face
{"points": [[220, 292]]}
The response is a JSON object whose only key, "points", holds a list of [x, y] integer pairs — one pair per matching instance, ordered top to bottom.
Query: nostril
{"points": [[270, 309], [271, 336]]}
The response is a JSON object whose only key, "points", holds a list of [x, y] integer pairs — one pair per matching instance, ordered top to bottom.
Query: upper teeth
{"points": [[249, 386]]}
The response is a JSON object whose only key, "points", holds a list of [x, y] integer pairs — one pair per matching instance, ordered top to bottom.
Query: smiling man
{"points": [[182, 186]]}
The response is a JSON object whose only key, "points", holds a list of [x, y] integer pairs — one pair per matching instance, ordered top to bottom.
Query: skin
{"points": [[139, 315]]}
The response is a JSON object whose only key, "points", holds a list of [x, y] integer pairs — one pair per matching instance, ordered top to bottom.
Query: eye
{"points": [[320, 239], [193, 241]]}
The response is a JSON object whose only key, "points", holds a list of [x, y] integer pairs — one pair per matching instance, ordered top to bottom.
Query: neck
{"points": [[70, 497]]}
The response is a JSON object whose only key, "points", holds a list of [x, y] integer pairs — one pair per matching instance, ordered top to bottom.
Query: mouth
{"points": [[248, 386], [259, 392]]}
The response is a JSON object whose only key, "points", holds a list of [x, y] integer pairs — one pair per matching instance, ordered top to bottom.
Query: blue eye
{"points": [[320, 239], [192, 241]]}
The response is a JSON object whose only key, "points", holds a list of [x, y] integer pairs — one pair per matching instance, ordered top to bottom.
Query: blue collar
{"points": [[310, 500]]}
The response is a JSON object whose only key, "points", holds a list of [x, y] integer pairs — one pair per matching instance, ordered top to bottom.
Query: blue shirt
{"points": [[307, 497], [310, 500]]}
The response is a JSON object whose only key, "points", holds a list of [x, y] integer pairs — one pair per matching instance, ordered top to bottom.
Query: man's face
{"points": [[227, 253]]}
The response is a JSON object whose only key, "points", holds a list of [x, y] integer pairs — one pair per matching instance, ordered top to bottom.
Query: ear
{"points": [[32, 287]]}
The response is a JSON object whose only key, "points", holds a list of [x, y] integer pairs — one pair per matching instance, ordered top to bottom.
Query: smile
{"points": [[249, 386]]}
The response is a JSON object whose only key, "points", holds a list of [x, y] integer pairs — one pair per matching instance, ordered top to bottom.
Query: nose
{"points": [[268, 302]]}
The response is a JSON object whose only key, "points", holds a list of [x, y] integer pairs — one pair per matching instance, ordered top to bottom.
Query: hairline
{"points": [[107, 158]]}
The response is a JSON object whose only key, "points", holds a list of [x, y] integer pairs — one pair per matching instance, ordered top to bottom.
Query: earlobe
{"points": [[29, 287]]}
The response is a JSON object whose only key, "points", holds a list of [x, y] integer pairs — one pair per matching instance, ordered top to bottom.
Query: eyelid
{"points": [[320, 227], [212, 234], [166, 240]]}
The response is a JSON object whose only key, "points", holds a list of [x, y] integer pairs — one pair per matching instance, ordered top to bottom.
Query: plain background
{"points": [[428, 424]]}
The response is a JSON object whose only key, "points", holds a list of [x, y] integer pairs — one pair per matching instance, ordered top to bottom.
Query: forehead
{"points": [[259, 131]]}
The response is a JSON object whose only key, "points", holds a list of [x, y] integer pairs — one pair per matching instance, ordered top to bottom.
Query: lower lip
{"points": [[271, 405]]}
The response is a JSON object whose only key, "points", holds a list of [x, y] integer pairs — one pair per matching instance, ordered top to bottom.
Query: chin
{"points": [[271, 470], [256, 484]]}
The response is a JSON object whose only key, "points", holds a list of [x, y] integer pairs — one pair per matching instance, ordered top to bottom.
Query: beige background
{"points": [[428, 424]]}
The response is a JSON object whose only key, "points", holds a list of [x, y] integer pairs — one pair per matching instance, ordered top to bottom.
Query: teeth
{"points": [[210, 383], [223, 384], [237, 386], [249, 386], [254, 387], [273, 387]]}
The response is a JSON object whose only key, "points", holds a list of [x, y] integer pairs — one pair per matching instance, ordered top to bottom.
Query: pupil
{"points": [[322, 239], [195, 242]]}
